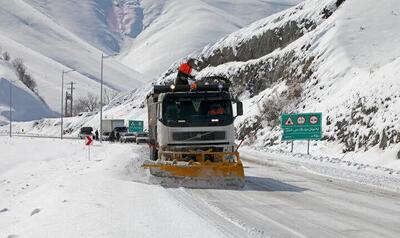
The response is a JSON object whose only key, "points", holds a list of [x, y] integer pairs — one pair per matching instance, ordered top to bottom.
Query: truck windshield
{"points": [[197, 112]]}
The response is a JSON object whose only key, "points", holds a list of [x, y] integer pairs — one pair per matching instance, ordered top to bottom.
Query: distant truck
{"points": [[108, 125]]}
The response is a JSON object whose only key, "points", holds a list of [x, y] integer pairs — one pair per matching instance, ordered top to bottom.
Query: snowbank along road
{"points": [[49, 188]]}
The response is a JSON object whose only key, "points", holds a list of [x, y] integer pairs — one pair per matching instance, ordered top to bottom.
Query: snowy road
{"points": [[48, 188], [289, 202]]}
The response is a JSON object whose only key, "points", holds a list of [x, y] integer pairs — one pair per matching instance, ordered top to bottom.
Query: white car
{"points": [[127, 137], [142, 137]]}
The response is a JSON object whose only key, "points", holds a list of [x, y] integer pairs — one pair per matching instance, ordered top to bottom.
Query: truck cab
{"points": [[183, 118]]}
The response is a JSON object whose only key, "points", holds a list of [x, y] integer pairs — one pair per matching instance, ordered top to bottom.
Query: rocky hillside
{"points": [[329, 56]]}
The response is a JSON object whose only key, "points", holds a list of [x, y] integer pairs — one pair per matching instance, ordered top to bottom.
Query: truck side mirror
{"points": [[239, 108]]}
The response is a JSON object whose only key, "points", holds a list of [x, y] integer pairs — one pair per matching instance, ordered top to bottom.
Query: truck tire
{"points": [[153, 154]]}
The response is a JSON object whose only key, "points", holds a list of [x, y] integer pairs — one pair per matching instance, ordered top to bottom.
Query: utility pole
{"points": [[11, 85], [70, 97], [67, 98], [101, 100], [62, 101]]}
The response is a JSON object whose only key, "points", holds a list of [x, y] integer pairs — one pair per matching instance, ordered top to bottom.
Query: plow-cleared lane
{"points": [[284, 200]]}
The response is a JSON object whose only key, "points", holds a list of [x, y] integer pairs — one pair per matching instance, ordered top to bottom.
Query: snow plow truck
{"points": [[192, 135]]}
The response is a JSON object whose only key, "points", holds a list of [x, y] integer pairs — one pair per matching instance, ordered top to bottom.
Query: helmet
{"points": [[191, 62]]}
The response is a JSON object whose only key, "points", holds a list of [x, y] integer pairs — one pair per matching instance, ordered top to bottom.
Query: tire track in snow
{"points": [[228, 223], [252, 231]]}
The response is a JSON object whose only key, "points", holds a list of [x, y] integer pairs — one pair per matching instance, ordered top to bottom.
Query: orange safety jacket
{"points": [[185, 68]]}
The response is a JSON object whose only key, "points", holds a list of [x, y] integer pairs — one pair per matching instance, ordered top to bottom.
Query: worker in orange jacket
{"points": [[185, 73]]}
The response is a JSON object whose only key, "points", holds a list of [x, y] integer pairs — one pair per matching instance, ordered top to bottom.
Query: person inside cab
{"points": [[185, 72], [216, 109]]}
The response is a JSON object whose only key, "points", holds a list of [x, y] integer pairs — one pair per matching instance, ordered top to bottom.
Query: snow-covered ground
{"points": [[51, 189]]}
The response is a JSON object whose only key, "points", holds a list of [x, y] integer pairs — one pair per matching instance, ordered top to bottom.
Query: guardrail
{"points": [[33, 135]]}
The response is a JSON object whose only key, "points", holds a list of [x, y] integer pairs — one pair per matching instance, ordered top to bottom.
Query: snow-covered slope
{"points": [[87, 19], [172, 29], [152, 34], [48, 48], [336, 57], [21, 110], [50, 189]]}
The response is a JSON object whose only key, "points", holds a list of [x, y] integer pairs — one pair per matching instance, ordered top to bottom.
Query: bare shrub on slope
{"points": [[23, 76], [90, 103]]}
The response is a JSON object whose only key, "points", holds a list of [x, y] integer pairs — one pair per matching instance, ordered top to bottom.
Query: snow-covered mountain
{"points": [[172, 29], [152, 34], [149, 35], [47, 48], [336, 57]]}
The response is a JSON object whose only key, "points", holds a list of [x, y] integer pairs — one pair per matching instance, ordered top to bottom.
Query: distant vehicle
{"points": [[108, 126], [85, 131], [116, 133], [106, 135], [127, 137], [142, 137]]}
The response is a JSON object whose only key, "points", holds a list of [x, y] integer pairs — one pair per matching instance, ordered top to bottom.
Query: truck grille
{"points": [[199, 136]]}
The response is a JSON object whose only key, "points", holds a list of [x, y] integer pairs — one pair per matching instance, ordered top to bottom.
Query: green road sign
{"points": [[135, 126], [305, 126]]}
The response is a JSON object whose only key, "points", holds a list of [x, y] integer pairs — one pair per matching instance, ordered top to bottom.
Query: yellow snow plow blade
{"points": [[212, 169]]}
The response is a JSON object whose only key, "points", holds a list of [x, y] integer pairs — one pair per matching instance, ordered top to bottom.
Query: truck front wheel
{"points": [[153, 154]]}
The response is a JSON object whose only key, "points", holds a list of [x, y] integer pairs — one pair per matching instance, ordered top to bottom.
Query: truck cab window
{"points": [[198, 111]]}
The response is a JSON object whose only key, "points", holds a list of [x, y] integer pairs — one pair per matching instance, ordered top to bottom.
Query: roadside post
{"points": [[101, 93], [302, 126], [88, 143]]}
